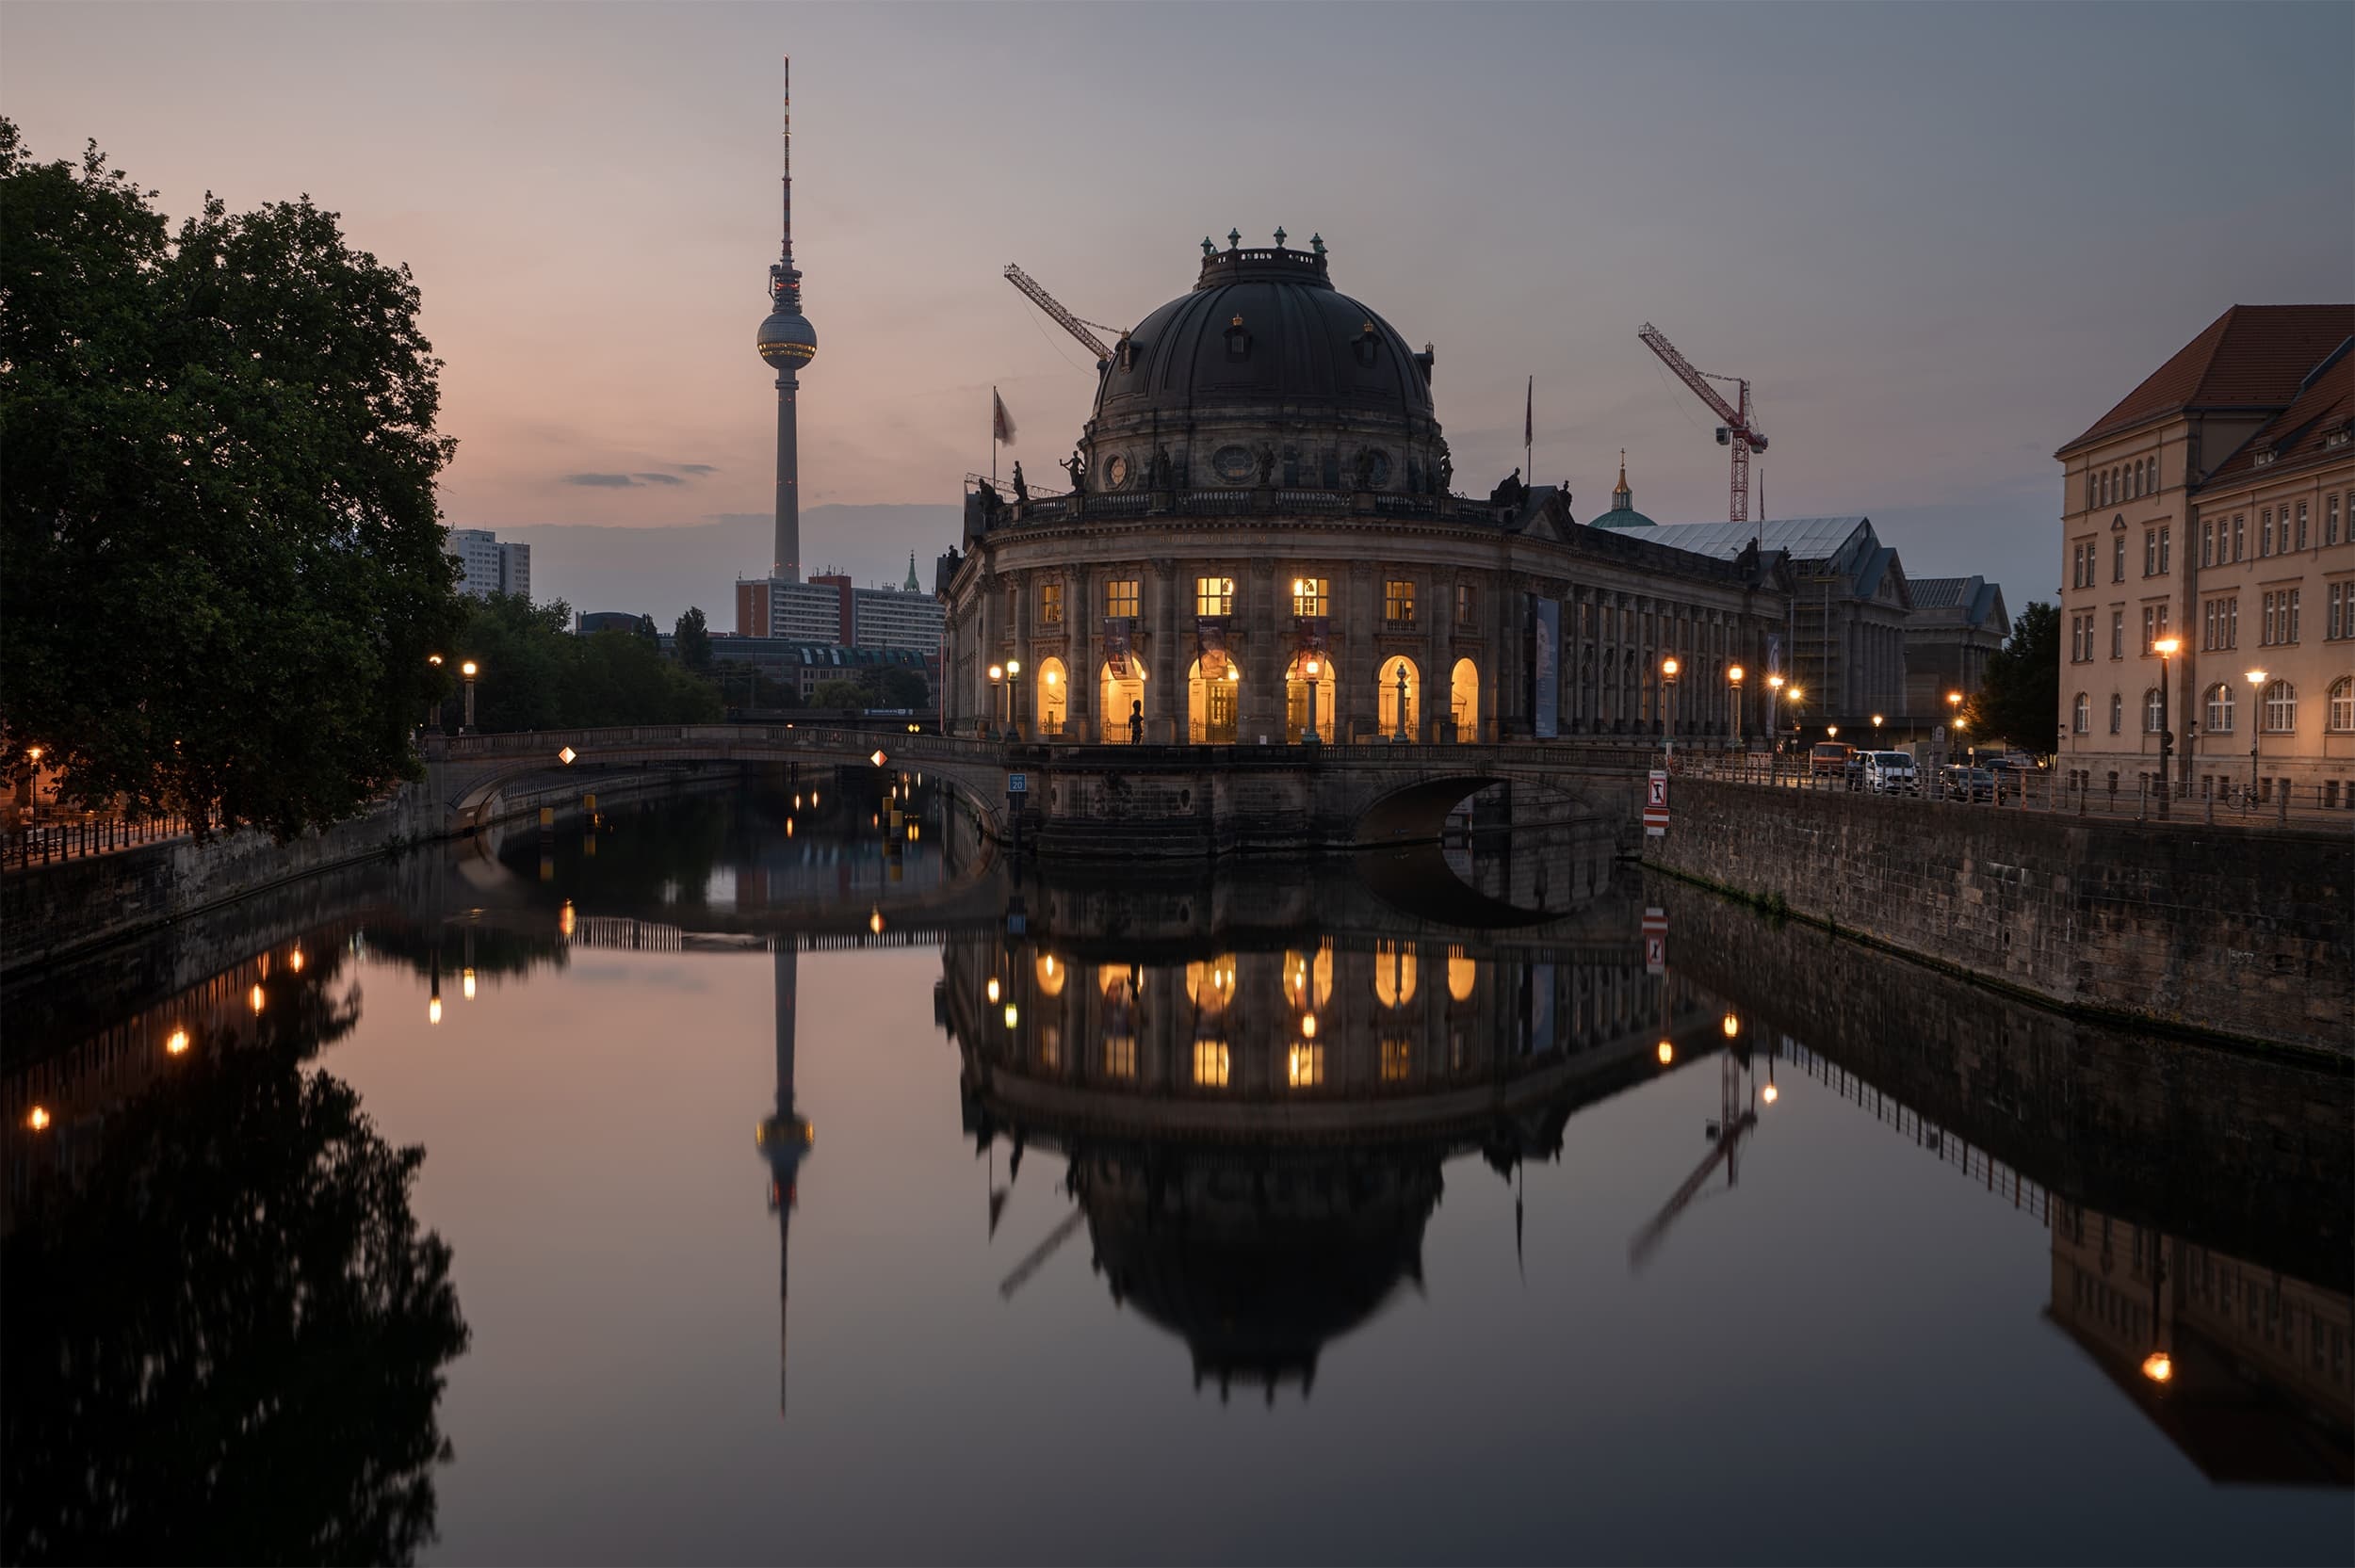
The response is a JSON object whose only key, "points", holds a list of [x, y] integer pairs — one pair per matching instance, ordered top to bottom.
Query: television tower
{"points": [[786, 342]]}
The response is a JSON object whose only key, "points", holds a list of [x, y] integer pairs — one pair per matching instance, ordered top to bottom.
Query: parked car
{"points": [[1828, 759], [1890, 774], [1958, 782]]}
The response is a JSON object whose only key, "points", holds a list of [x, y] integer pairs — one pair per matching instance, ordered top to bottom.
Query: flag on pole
{"points": [[1529, 415], [1000, 422]]}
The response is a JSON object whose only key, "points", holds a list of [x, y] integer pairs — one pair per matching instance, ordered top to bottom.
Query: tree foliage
{"points": [[222, 566], [693, 638], [536, 674], [901, 688], [839, 693], [2018, 702]]}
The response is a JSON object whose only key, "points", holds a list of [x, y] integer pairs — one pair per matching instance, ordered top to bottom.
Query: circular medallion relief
{"points": [[1234, 462], [1116, 470]]}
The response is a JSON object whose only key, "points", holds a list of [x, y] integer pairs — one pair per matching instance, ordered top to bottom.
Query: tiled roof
{"points": [[2252, 357], [2304, 427], [1805, 538], [1939, 592]]}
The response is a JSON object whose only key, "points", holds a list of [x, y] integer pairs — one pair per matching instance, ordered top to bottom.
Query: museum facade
{"points": [[1260, 543]]}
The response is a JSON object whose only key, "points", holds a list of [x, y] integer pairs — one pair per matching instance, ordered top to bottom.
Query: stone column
{"points": [[992, 588], [1078, 613], [1268, 626], [1439, 674], [1162, 696], [1019, 708], [1357, 708]]}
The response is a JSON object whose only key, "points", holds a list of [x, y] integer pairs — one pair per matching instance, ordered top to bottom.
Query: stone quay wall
{"points": [[50, 911], [2226, 931], [2086, 1108]]}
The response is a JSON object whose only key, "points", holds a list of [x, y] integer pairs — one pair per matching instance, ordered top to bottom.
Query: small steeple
{"points": [[1622, 498], [910, 586]]}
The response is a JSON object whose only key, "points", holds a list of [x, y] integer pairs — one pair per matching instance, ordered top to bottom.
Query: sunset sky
{"points": [[1941, 240]]}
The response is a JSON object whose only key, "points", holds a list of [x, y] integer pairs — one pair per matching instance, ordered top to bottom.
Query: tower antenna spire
{"points": [[786, 342]]}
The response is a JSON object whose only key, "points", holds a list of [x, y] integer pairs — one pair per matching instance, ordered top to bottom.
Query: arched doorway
{"points": [[1306, 667], [1054, 697], [1213, 697], [1117, 698], [1398, 700], [1464, 700]]}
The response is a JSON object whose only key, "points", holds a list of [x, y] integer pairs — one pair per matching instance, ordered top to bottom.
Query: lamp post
{"points": [[2164, 647], [1668, 668], [1310, 669], [469, 670], [1733, 679], [2256, 690], [998, 691], [1014, 696], [433, 707], [1774, 710], [1954, 714], [1401, 733]]}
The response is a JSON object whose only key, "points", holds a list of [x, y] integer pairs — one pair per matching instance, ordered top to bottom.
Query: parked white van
{"points": [[1890, 774]]}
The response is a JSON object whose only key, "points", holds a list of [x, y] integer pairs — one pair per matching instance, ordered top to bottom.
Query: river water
{"points": [[770, 1176]]}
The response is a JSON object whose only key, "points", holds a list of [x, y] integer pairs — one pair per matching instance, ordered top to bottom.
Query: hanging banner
{"points": [[1116, 634], [1308, 634], [1211, 642], [1774, 653], [1544, 664]]}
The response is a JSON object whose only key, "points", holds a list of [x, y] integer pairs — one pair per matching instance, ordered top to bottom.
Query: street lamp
{"points": [[2164, 647], [1311, 667], [1668, 668], [1013, 669], [469, 670], [1733, 678], [997, 688], [2256, 690], [433, 708], [1774, 715], [1401, 732]]}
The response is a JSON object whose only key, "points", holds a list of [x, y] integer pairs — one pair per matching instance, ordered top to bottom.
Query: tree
{"points": [[221, 567], [693, 638], [536, 674], [902, 688], [839, 693], [2018, 700]]}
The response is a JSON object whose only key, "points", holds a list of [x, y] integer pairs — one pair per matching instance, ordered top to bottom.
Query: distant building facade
{"points": [[2212, 505], [488, 567], [828, 608], [1955, 627], [803, 666]]}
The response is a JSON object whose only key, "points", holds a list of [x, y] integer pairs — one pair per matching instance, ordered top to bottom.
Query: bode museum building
{"points": [[1260, 539]]}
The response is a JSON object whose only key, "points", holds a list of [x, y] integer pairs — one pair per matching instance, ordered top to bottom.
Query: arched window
{"points": [[1310, 683], [1213, 687], [1397, 694], [1054, 697], [1120, 698], [1463, 698], [2342, 704], [2221, 708], [2280, 709], [2153, 711], [2118, 713], [2081, 714], [1393, 973]]}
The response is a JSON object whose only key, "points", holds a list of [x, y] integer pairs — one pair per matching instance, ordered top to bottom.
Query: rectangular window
{"points": [[2329, 520], [2301, 524], [2265, 533], [2240, 536], [2207, 543], [2167, 551], [2150, 552], [2118, 559], [1120, 596], [1214, 596], [1309, 596], [1398, 603], [1050, 604], [1467, 604], [2289, 616], [2232, 623], [2336, 624], [2264, 632], [2117, 634], [1120, 1056], [1398, 1060], [1210, 1063], [1306, 1064]]}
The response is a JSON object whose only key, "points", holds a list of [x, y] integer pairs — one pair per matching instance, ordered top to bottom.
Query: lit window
{"points": [[1398, 594], [1308, 595], [1120, 596], [1214, 596], [1050, 604], [1467, 604], [2081, 714], [1393, 973], [1462, 973], [1308, 983], [1120, 1056], [1398, 1060], [1210, 1063], [1306, 1064]]}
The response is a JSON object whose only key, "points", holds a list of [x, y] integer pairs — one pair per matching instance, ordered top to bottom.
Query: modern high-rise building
{"points": [[786, 342], [488, 567], [827, 608]]}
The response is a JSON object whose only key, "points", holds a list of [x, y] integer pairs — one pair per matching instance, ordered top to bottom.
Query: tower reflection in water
{"points": [[785, 1138], [1255, 1138]]}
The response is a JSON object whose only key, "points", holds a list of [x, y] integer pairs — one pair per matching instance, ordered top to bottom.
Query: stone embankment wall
{"points": [[66, 907], [2236, 931], [2250, 1156]]}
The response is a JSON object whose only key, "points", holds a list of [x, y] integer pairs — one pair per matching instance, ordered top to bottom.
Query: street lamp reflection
{"points": [[178, 1043], [1667, 1053], [2158, 1366]]}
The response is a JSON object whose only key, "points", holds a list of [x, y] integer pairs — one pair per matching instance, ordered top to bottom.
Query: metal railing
{"points": [[45, 843], [1951, 1148]]}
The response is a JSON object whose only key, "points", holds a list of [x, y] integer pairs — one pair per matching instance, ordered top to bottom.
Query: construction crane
{"points": [[1064, 318], [1737, 431]]}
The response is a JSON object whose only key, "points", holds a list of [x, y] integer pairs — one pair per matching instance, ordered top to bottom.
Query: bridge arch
{"points": [[1418, 809]]}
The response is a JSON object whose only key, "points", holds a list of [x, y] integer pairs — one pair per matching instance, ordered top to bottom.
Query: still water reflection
{"points": [[813, 1193]]}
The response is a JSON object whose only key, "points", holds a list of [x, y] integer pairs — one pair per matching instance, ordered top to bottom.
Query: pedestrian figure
{"points": [[1136, 723]]}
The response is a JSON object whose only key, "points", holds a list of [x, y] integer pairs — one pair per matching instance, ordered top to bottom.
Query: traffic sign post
{"points": [[1017, 791], [1656, 806], [1655, 930]]}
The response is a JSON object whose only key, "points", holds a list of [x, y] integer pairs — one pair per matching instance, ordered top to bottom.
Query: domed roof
{"points": [[1264, 327], [1623, 513]]}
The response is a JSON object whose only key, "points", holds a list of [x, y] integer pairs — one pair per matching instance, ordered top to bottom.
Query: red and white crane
{"points": [[1737, 431]]}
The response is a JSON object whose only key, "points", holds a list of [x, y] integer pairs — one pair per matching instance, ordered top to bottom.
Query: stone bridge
{"points": [[1092, 801]]}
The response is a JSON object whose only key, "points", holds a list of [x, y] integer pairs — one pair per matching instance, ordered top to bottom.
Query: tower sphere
{"points": [[787, 340]]}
